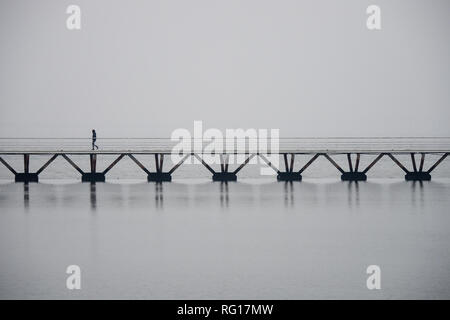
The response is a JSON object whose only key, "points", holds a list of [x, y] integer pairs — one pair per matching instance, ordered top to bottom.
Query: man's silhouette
{"points": [[94, 138]]}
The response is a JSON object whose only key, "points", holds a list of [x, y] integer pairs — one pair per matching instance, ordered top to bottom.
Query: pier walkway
{"points": [[353, 149]]}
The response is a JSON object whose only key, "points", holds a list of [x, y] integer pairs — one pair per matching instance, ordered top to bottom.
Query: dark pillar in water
{"points": [[224, 174], [289, 174], [353, 174], [159, 175], [417, 175], [26, 176], [93, 176]]}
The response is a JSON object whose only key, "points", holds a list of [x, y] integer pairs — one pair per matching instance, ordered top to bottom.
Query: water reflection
{"points": [[416, 184], [417, 190], [353, 193], [288, 194], [319, 194], [159, 195], [26, 196], [93, 196], [224, 197], [194, 227]]}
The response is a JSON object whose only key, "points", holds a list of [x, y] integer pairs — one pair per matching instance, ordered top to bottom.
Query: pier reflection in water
{"points": [[288, 193], [353, 193], [196, 194], [26, 195], [159, 195], [224, 195], [93, 196], [254, 239]]}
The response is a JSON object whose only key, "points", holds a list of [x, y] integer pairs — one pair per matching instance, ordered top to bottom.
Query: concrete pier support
{"points": [[415, 172], [93, 176], [224, 176], [289, 176], [353, 176], [418, 176], [26, 177], [159, 177]]}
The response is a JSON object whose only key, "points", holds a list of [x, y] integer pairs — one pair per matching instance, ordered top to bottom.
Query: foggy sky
{"points": [[145, 68]]}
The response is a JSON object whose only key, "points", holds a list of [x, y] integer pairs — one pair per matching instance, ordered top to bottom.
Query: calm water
{"points": [[256, 238]]}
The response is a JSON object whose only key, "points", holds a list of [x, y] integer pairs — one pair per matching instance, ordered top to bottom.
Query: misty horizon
{"points": [[148, 68]]}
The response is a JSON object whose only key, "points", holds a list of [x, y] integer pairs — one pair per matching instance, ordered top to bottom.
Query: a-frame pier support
{"points": [[224, 174], [289, 174], [353, 174], [418, 174], [26, 175], [159, 175], [93, 176]]}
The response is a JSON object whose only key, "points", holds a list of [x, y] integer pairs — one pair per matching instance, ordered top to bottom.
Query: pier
{"points": [[353, 149]]}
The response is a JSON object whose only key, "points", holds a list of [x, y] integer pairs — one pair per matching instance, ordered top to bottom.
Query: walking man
{"points": [[94, 138]]}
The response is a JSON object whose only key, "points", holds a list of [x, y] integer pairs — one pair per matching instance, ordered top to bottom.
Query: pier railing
{"points": [[285, 145], [353, 147]]}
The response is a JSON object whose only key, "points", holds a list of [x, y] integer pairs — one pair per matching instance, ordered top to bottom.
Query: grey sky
{"points": [[145, 68]]}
